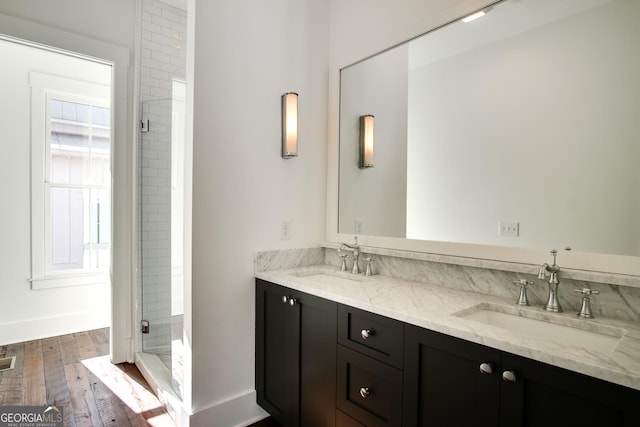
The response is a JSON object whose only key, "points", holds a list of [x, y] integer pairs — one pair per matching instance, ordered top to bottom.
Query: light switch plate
{"points": [[508, 228], [285, 230]]}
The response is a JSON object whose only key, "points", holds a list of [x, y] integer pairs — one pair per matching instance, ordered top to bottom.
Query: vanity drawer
{"points": [[371, 334], [368, 390]]}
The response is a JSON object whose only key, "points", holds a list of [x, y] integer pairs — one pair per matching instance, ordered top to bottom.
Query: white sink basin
{"points": [[572, 332]]}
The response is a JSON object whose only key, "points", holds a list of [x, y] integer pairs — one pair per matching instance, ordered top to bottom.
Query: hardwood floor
{"points": [[73, 371]]}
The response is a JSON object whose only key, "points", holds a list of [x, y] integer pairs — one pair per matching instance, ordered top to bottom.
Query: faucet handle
{"points": [[343, 264], [368, 271], [586, 291], [522, 299], [585, 309]]}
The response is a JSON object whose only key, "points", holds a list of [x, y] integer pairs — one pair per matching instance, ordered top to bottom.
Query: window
{"points": [[71, 181], [78, 183]]}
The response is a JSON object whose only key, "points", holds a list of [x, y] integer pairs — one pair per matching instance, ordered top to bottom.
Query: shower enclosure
{"points": [[160, 196], [160, 257]]}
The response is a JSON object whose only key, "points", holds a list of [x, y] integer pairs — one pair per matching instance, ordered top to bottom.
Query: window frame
{"points": [[43, 88]]}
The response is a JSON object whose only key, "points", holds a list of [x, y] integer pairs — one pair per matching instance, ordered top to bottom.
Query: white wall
{"points": [[111, 21], [103, 30], [247, 54], [375, 197], [25, 313]]}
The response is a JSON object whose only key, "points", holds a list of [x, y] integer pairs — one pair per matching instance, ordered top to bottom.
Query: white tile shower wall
{"points": [[162, 49], [162, 59]]}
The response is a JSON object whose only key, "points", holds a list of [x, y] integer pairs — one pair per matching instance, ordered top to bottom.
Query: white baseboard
{"points": [[45, 327], [238, 411]]}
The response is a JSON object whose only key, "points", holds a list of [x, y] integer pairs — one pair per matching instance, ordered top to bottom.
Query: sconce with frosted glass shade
{"points": [[289, 125], [366, 142]]}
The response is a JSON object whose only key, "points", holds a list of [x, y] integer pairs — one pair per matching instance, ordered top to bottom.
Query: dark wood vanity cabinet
{"points": [[295, 356], [323, 364], [452, 382], [545, 395]]}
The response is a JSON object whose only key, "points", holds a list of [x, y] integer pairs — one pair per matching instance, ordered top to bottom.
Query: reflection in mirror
{"points": [[518, 129]]}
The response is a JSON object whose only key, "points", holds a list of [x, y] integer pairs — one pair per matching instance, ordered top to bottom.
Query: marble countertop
{"points": [[442, 310]]}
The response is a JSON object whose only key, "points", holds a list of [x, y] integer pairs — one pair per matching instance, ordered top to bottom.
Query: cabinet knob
{"points": [[285, 299], [292, 302], [366, 333], [486, 368], [509, 376], [364, 392]]}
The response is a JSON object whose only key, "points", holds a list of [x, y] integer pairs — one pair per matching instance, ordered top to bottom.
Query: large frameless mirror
{"points": [[518, 129]]}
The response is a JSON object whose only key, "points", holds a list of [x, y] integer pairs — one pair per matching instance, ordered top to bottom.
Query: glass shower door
{"points": [[161, 204]]}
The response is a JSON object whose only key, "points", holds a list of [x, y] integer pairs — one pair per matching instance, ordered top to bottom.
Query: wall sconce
{"points": [[289, 125], [366, 142]]}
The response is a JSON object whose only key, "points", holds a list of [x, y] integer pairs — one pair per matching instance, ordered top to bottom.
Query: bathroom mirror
{"points": [[519, 129]]}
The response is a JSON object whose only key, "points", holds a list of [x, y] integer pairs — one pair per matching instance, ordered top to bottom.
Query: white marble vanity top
{"points": [[439, 309]]}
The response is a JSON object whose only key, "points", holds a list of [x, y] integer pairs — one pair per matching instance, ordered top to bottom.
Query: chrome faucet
{"points": [[356, 254], [552, 301]]}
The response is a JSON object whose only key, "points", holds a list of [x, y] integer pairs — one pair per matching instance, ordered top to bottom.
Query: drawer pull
{"points": [[366, 333], [486, 368], [509, 376], [364, 392]]}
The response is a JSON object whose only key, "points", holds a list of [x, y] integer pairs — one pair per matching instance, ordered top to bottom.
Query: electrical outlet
{"points": [[357, 226], [508, 229], [285, 230]]}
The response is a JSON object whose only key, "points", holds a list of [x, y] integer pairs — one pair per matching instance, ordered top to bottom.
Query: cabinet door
{"points": [[318, 331], [277, 353], [443, 382], [545, 395], [344, 420]]}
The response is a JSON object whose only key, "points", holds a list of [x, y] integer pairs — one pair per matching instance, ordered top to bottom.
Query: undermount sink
{"points": [[335, 278], [572, 332]]}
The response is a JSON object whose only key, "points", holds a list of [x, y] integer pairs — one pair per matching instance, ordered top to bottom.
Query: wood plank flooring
{"points": [[74, 371]]}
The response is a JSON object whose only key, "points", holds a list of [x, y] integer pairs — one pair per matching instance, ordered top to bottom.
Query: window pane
{"points": [[56, 109], [74, 112], [101, 116], [80, 143], [101, 143], [68, 166], [100, 170], [67, 223], [80, 228]]}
